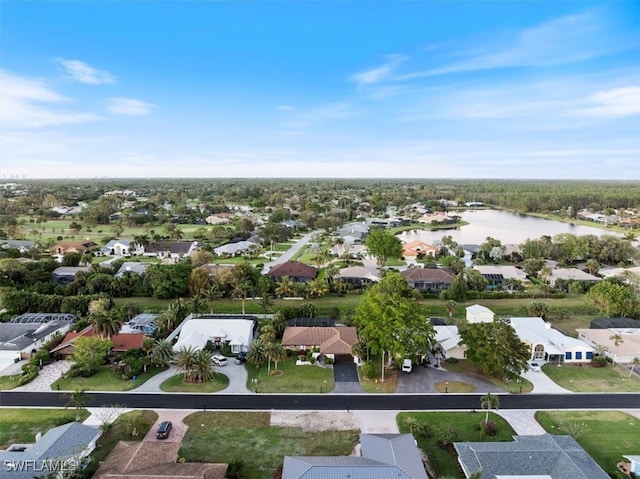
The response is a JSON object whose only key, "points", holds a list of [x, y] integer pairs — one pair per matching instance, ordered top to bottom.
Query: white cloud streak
{"points": [[384, 71], [84, 73], [614, 103], [128, 106]]}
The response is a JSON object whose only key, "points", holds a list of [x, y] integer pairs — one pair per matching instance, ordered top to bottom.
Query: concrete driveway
{"points": [[345, 376], [423, 380]]}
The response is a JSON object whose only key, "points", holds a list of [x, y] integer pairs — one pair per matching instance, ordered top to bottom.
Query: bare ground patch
{"points": [[316, 421]]}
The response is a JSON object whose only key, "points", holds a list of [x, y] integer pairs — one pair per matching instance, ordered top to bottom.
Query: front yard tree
{"points": [[384, 246], [392, 320], [496, 348], [161, 353], [89, 354], [77, 399], [489, 401]]}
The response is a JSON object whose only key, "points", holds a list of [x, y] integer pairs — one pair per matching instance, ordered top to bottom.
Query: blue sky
{"points": [[375, 89]]}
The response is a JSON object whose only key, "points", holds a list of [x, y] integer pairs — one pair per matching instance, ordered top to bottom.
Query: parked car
{"points": [[241, 358], [219, 360], [406, 366], [535, 367], [164, 429]]}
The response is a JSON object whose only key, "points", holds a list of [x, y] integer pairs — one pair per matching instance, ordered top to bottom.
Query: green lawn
{"points": [[465, 367], [294, 379], [589, 379], [104, 380], [9, 382], [176, 384], [373, 385], [454, 387], [21, 425], [464, 426], [605, 435], [247, 437]]}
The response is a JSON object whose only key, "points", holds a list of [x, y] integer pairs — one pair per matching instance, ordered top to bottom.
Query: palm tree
{"points": [[141, 241], [545, 275], [285, 287], [317, 288], [241, 290], [197, 305], [451, 307], [105, 324], [268, 333], [617, 341], [274, 352], [161, 353], [256, 354], [187, 357], [634, 362], [203, 368], [77, 399], [489, 401]]}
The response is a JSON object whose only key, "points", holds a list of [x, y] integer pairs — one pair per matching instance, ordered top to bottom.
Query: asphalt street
{"points": [[320, 402]]}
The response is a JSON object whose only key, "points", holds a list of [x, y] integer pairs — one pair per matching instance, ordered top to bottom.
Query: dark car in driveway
{"points": [[241, 358], [164, 429]]}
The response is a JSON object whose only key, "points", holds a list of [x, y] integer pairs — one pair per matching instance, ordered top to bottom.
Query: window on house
{"points": [[578, 354], [568, 355]]}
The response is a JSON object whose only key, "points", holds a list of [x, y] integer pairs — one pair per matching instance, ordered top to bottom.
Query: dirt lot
{"points": [[316, 421]]}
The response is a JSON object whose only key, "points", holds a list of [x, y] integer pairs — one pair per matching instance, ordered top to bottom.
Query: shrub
{"points": [[328, 360], [368, 369], [488, 428]]}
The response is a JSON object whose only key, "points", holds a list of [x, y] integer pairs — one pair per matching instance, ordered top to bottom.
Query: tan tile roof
{"points": [[415, 247], [294, 269], [429, 274], [334, 340]]}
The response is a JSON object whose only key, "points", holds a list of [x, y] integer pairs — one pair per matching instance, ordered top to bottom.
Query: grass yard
{"points": [[465, 367], [105, 379], [294, 379], [589, 379], [9, 382], [175, 384], [373, 385], [454, 387], [18, 425], [463, 426], [605, 435], [247, 437]]}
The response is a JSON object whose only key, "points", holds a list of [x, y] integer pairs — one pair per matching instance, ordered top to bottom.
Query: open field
{"points": [[585, 378], [21, 425], [462, 426], [605, 435], [248, 437]]}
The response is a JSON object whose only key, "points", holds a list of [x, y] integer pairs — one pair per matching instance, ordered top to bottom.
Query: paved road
{"points": [[287, 255], [397, 402]]}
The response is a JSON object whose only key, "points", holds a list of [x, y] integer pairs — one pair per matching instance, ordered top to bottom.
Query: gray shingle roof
{"points": [[559, 457]]}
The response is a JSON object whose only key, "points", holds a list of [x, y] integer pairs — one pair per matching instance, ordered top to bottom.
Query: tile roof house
{"points": [[74, 247], [120, 247], [415, 248], [170, 249], [233, 249], [131, 267], [296, 271], [497, 274], [359, 275], [560, 276], [430, 280], [238, 331], [121, 342], [335, 342], [549, 344], [624, 352], [62, 447], [382, 456], [545, 456], [154, 460]]}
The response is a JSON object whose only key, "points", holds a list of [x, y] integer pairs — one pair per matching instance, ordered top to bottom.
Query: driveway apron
{"points": [[345, 376]]}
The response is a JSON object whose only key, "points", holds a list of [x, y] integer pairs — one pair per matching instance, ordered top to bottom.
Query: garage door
{"points": [[343, 358]]}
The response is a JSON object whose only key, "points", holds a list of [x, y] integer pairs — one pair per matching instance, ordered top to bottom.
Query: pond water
{"points": [[509, 228]]}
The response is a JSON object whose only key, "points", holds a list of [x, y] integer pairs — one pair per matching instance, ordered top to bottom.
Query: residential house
{"points": [[437, 217], [217, 220], [354, 232], [21, 245], [65, 247], [120, 247], [416, 248], [171, 249], [234, 249], [348, 249], [131, 267], [296, 271], [66, 274], [359, 275], [497, 276], [560, 277], [429, 280], [476, 313], [606, 323], [236, 331], [25, 334], [122, 342], [335, 342], [448, 343], [548, 344], [628, 346], [62, 447], [381, 456], [546, 456], [154, 460]]}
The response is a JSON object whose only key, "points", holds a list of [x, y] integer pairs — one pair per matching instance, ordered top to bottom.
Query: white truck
{"points": [[406, 365]]}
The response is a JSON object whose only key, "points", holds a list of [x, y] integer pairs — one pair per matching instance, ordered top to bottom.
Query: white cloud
{"points": [[559, 41], [84, 73], [380, 73], [32, 103], [614, 103], [128, 106], [285, 108]]}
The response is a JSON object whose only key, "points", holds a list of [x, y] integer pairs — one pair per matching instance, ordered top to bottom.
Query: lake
{"points": [[509, 228]]}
